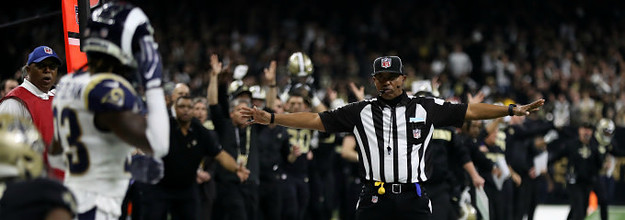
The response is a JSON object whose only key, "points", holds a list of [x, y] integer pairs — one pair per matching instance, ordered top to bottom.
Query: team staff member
{"points": [[33, 98], [393, 133], [271, 140], [189, 142], [521, 149], [583, 167], [235, 200]]}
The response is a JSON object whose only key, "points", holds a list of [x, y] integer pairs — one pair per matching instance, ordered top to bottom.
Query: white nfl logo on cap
{"points": [[47, 50], [386, 62]]}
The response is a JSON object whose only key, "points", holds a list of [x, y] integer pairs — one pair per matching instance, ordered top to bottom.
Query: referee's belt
{"points": [[394, 188]]}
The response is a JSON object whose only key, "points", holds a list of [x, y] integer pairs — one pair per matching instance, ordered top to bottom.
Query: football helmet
{"points": [[115, 29], [300, 65], [238, 88], [258, 92], [605, 131], [21, 148]]}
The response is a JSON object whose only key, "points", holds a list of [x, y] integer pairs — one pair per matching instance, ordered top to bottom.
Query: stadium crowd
{"points": [[569, 53]]}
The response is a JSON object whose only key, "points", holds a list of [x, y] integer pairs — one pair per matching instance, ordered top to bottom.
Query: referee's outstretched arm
{"points": [[479, 111], [307, 120]]}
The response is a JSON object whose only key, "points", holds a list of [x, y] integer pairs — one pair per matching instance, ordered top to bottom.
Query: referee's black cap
{"points": [[388, 64]]}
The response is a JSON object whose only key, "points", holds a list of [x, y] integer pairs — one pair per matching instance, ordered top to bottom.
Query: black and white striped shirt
{"points": [[393, 140]]}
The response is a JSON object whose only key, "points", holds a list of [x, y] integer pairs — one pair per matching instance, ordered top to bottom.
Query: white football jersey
{"points": [[97, 160]]}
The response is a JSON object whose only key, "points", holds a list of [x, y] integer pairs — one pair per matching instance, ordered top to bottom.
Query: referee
{"points": [[393, 132]]}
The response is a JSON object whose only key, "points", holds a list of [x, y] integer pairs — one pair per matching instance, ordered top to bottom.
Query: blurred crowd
{"points": [[569, 53]]}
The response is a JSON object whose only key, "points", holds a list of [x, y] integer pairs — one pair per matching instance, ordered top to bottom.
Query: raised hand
{"points": [[216, 66], [270, 73], [359, 92], [331, 94], [478, 98]]}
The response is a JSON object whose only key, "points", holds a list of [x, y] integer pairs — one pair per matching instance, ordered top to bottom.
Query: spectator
{"points": [[459, 62], [7, 86]]}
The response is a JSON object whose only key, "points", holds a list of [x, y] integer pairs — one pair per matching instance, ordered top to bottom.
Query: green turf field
{"points": [[615, 213]]}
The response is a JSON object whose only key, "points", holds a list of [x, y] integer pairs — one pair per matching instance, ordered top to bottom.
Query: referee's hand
{"points": [[527, 109], [256, 115]]}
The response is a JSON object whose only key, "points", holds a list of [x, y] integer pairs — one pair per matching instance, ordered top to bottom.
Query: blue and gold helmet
{"points": [[115, 29]]}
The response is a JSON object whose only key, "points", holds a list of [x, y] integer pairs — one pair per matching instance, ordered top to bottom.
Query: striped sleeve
{"points": [[445, 113], [342, 119]]}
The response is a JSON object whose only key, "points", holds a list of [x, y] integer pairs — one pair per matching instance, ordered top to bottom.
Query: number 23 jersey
{"points": [[96, 159]]}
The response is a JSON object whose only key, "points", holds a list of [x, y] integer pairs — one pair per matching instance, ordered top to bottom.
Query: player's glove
{"points": [[149, 63], [146, 169]]}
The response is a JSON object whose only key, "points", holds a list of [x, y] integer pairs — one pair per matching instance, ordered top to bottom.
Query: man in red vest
{"points": [[33, 98]]}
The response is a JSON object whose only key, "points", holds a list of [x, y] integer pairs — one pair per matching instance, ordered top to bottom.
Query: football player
{"points": [[300, 68], [99, 114], [24, 195]]}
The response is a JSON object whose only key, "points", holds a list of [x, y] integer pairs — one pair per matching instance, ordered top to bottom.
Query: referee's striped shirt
{"points": [[393, 140]]}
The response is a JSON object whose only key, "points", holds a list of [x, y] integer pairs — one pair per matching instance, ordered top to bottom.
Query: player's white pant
{"points": [[100, 207]]}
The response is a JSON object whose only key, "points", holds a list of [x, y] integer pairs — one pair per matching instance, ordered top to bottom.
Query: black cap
{"points": [[388, 64], [241, 91], [587, 124], [33, 199]]}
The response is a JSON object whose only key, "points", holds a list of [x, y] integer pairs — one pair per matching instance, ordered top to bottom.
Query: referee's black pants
{"points": [[397, 206], [442, 207]]}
